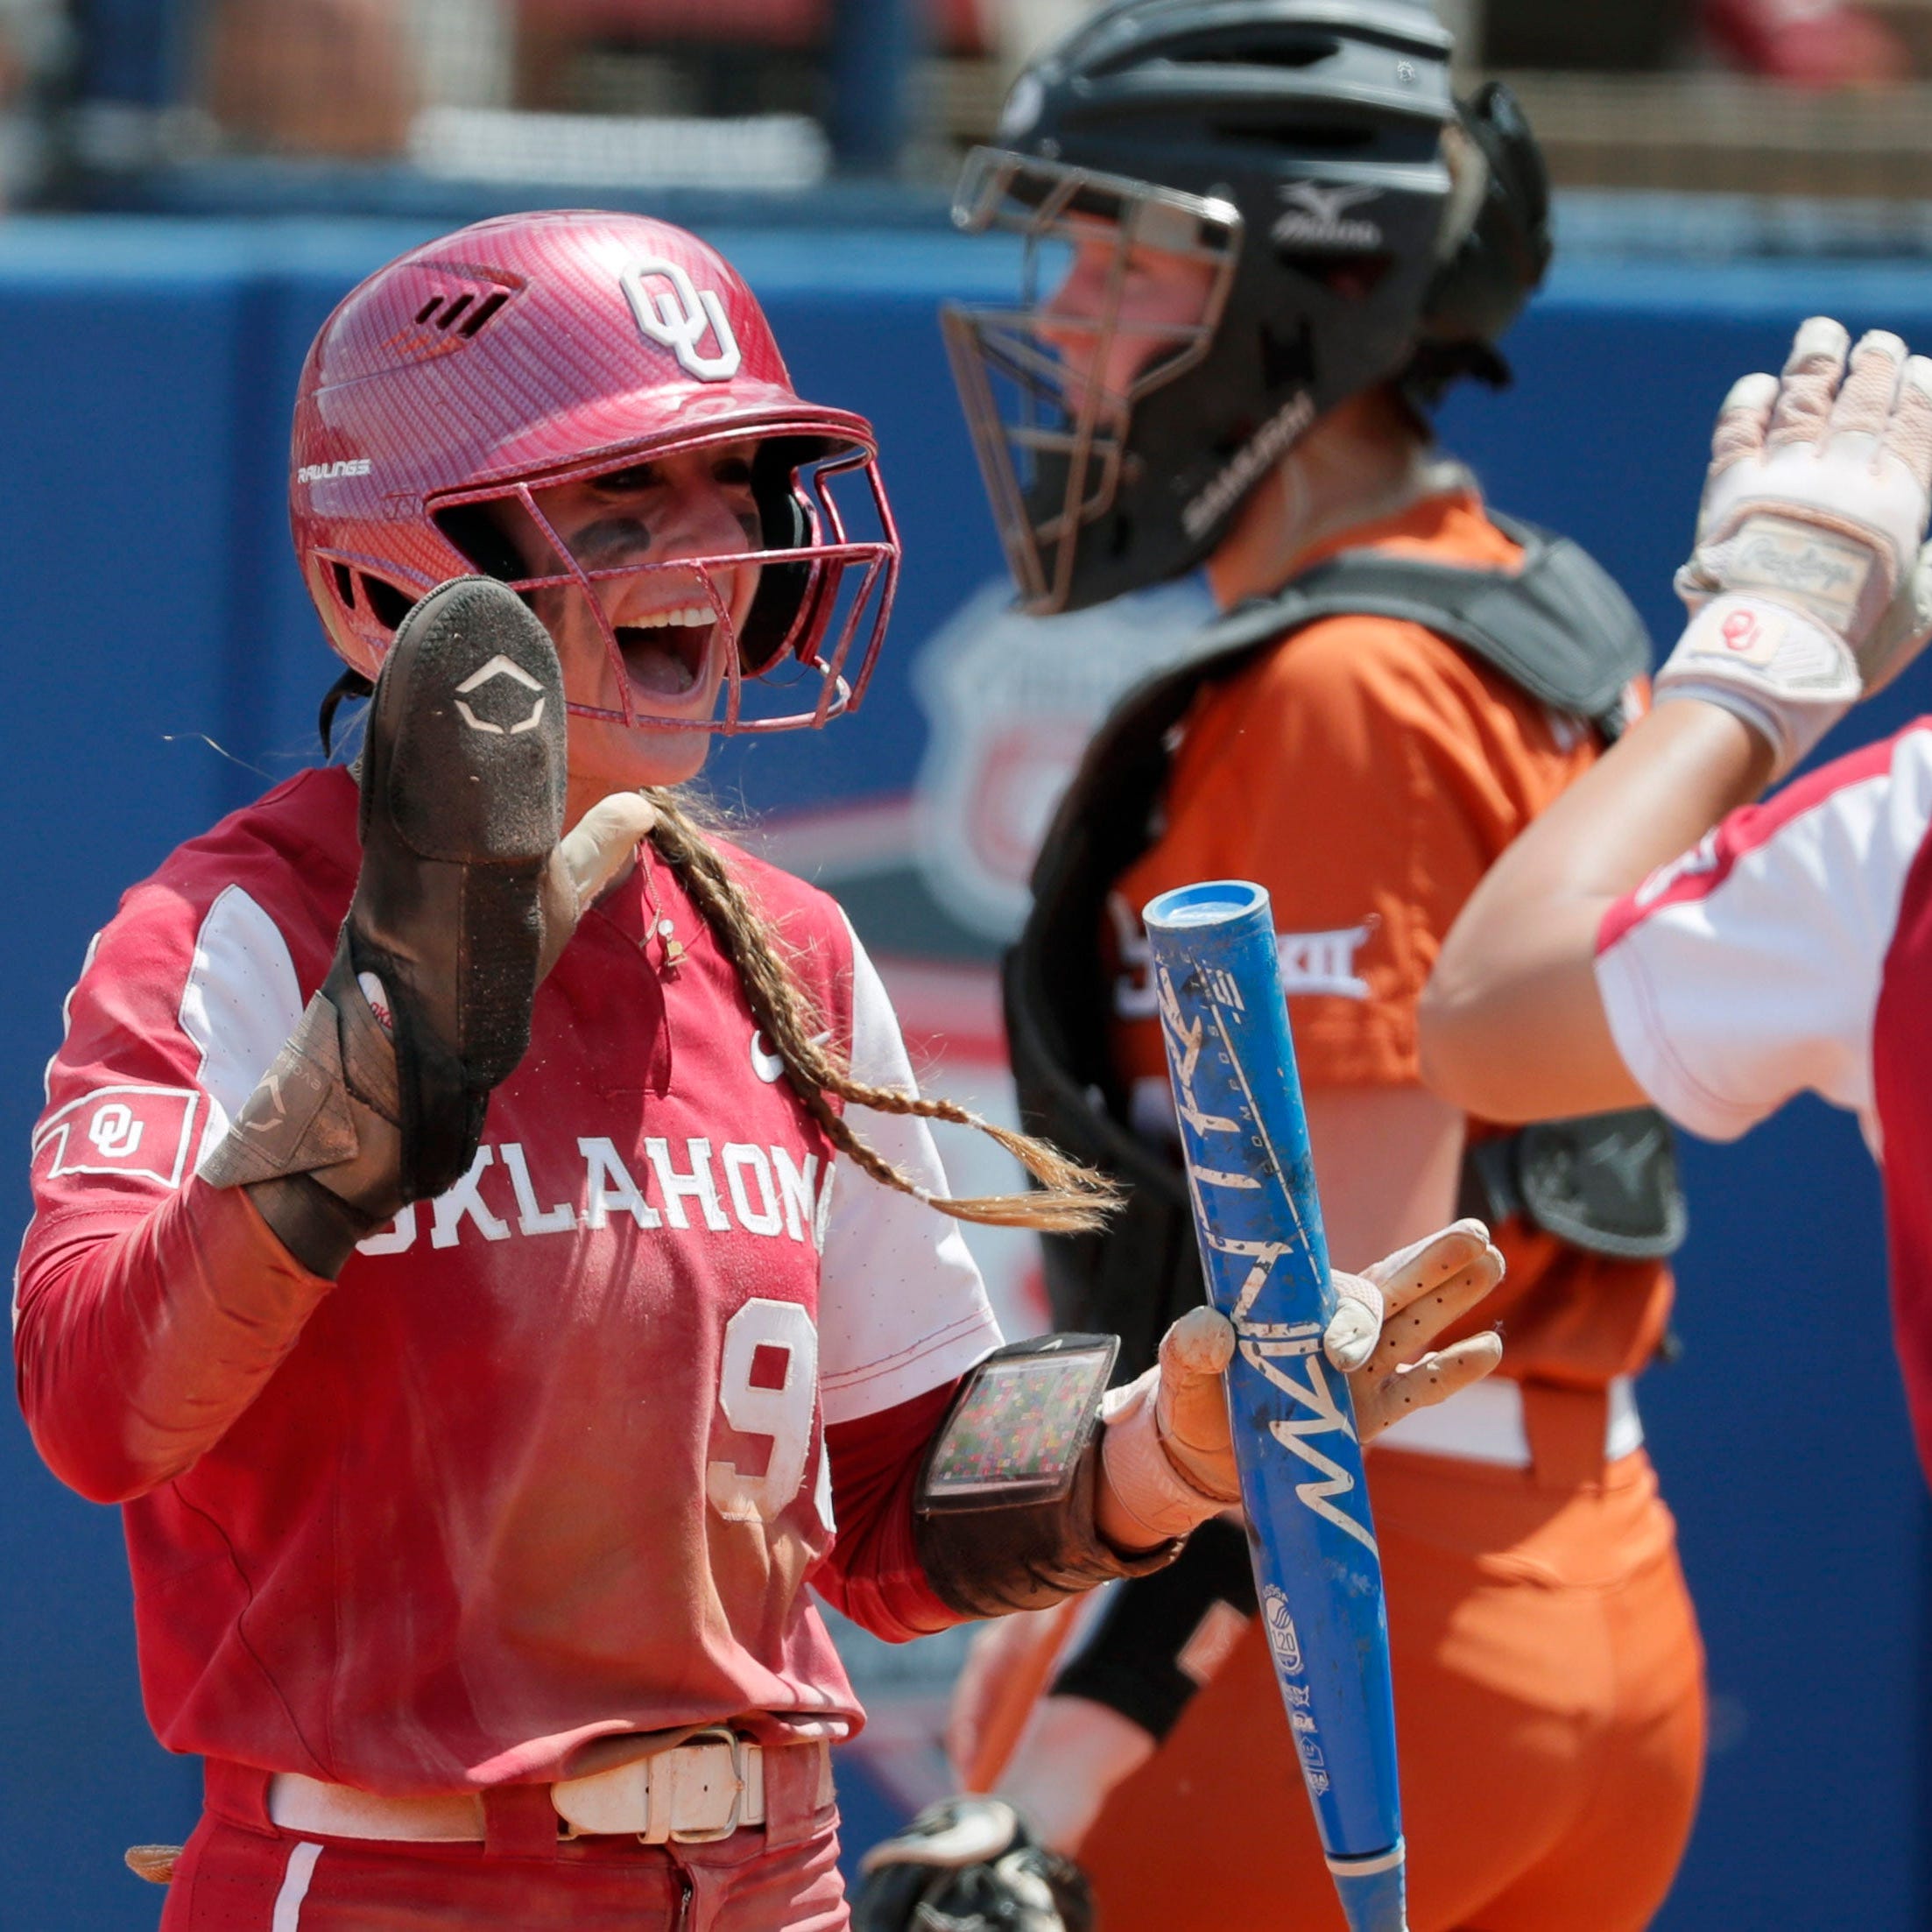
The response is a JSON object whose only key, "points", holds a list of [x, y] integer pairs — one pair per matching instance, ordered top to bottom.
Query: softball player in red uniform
{"points": [[1654, 934], [452, 1249]]}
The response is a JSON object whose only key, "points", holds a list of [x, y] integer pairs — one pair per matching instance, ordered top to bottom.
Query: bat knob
{"points": [[1373, 1890]]}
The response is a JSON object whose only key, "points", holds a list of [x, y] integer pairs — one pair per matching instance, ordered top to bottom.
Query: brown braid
{"points": [[1070, 1200]]}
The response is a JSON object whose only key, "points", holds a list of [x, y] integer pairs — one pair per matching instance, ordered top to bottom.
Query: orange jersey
{"points": [[1368, 773], [1548, 1671]]}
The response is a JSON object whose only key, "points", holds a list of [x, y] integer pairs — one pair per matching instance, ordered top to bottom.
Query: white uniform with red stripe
{"points": [[1792, 951]]}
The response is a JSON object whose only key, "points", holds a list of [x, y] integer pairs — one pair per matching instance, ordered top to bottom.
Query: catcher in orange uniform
{"points": [[1266, 237]]}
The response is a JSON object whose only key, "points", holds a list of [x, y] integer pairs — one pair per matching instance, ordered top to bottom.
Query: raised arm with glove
{"points": [[1808, 586], [466, 896]]}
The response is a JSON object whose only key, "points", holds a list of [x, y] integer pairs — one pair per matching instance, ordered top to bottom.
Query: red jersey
{"points": [[1792, 950], [549, 1463]]}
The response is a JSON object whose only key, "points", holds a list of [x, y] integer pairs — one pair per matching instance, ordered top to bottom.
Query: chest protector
{"points": [[1558, 628]]}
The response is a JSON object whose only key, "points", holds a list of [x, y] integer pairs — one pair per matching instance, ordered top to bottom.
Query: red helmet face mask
{"points": [[453, 389]]}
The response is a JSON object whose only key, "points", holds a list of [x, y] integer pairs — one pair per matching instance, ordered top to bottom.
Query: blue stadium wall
{"points": [[153, 614]]}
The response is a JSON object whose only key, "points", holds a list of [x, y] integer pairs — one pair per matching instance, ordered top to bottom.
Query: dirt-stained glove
{"points": [[1809, 584], [466, 897], [1169, 1456], [970, 1864]]}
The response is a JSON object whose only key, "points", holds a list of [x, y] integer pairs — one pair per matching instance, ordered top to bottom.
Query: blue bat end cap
{"points": [[1214, 902], [1373, 1890]]}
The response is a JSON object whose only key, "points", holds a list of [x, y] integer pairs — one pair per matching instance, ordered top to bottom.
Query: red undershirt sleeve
{"points": [[136, 1346], [873, 1574]]}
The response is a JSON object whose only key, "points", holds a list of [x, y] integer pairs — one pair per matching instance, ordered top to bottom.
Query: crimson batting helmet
{"points": [[537, 349]]}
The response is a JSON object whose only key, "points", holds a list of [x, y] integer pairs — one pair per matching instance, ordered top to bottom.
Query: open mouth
{"points": [[665, 653]]}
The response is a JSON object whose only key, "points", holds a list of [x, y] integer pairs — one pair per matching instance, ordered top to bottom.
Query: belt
{"points": [[1485, 1424], [705, 1788]]}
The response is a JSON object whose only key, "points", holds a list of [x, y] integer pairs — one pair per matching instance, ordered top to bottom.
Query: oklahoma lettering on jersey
{"points": [[1792, 950], [767, 1191], [548, 1464]]}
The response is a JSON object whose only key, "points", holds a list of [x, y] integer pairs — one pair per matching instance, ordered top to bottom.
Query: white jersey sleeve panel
{"points": [[1749, 970], [241, 1004], [902, 1308]]}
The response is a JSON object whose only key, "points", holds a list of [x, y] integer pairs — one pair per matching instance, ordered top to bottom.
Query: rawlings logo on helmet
{"points": [[676, 315], [348, 465]]}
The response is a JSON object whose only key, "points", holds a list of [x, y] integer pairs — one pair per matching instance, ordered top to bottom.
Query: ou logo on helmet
{"points": [[676, 315]]}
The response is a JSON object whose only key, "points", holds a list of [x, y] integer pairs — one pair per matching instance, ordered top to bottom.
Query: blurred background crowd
{"points": [[360, 103]]}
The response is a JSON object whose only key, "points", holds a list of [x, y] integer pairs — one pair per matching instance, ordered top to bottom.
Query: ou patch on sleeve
{"points": [[136, 1132]]}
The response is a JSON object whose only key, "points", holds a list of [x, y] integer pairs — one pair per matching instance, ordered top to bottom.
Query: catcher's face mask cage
{"points": [[1123, 286], [793, 653]]}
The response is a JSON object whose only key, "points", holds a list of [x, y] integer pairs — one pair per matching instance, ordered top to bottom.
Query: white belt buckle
{"points": [[701, 1785], [693, 1791]]}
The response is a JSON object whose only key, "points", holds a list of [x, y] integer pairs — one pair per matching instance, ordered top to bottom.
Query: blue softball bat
{"points": [[1244, 1139]]}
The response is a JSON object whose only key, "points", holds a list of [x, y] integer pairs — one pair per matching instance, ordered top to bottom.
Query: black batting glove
{"points": [[971, 1865]]}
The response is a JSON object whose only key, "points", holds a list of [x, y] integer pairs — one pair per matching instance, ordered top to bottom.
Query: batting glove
{"points": [[1811, 584], [1169, 1453]]}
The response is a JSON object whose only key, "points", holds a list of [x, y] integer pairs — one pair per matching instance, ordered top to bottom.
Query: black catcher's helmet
{"points": [[1291, 154], [1495, 246]]}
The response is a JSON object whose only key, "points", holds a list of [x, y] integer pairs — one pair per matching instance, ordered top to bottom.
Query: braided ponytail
{"points": [[1071, 1199]]}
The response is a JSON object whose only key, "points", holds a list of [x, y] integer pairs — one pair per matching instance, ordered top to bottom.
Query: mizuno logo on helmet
{"points": [[1315, 216], [677, 315], [348, 465]]}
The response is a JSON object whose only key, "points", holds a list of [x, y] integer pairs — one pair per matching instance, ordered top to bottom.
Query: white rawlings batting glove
{"points": [[1809, 584], [1168, 1454]]}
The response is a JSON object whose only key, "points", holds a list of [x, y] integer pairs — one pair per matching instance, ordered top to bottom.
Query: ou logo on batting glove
{"points": [[676, 315], [1740, 631]]}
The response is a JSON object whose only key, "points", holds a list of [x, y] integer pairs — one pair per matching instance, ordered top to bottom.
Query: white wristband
{"points": [[1780, 670], [1142, 1476]]}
